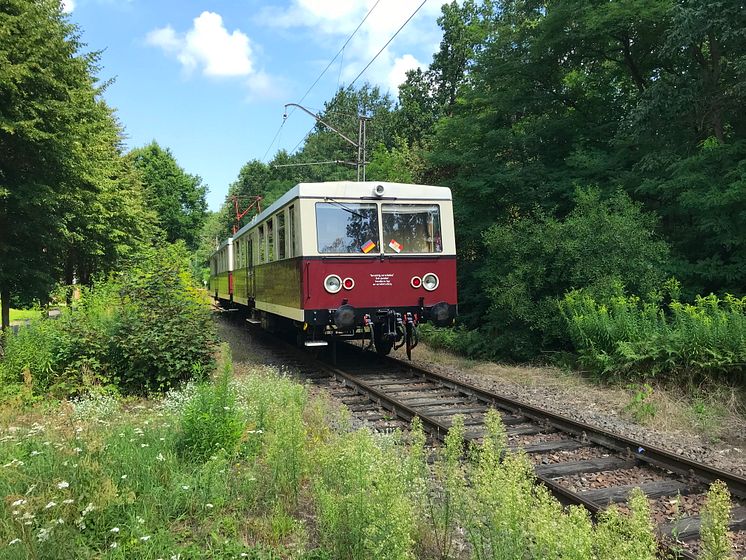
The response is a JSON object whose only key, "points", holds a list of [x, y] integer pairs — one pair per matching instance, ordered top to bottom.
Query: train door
{"points": [[250, 280]]}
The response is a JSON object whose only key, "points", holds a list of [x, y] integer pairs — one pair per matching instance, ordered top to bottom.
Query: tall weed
{"points": [[211, 423], [363, 505]]}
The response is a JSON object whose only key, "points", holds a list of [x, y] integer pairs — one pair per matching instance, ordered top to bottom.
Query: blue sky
{"points": [[208, 79]]}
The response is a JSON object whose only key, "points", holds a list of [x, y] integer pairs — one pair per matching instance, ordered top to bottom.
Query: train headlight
{"points": [[430, 281], [416, 282], [332, 283], [348, 283]]}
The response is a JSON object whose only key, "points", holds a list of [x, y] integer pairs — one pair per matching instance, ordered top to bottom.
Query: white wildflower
{"points": [[144, 445], [34, 453], [160, 457], [123, 477], [62, 485], [185, 487], [68, 501], [18, 503], [50, 505], [209, 506], [140, 520], [114, 530], [43, 534], [145, 538], [14, 541], [113, 545]]}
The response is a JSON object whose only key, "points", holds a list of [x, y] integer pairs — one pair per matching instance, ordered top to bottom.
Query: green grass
{"points": [[23, 314]]}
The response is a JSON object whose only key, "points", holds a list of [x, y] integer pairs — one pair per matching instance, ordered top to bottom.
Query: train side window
{"points": [[291, 228], [280, 235], [270, 241], [262, 245]]}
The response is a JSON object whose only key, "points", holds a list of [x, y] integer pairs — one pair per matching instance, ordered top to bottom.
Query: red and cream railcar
{"points": [[360, 260]]}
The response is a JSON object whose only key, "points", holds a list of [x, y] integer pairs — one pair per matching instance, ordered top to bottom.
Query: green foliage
{"points": [[400, 164], [177, 197], [69, 204], [530, 262], [165, 326], [147, 329], [626, 334], [458, 340], [640, 405], [210, 423], [362, 501], [715, 519], [627, 536]]}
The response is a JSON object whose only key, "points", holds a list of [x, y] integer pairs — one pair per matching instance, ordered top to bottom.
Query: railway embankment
{"points": [[710, 427]]}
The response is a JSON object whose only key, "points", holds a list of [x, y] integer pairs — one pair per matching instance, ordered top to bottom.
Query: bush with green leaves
{"points": [[530, 262], [165, 327], [146, 329], [622, 334], [362, 499], [715, 519]]}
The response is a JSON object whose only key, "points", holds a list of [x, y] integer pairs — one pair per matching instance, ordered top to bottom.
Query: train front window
{"points": [[346, 227], [411, 228]]}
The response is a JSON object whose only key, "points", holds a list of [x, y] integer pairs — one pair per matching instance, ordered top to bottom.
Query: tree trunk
{"points": [[5, 296]]}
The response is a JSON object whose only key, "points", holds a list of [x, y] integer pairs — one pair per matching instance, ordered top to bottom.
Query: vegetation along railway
{"points": [[347, 261], [581, 464]]}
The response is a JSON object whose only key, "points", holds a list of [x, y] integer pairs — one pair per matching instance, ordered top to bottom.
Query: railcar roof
{"points": [[351, 190]]}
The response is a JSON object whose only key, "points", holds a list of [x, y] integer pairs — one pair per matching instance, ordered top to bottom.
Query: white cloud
{"points": [[68, 6], [330, 22], [207, 45], [401, 66], [266, 87]]}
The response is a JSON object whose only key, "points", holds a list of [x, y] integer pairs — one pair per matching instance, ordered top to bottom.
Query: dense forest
{"points": [[589, 146]]}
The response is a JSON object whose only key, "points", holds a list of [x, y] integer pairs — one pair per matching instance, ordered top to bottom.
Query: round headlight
{"points": [[430, 281], [332, 283]]}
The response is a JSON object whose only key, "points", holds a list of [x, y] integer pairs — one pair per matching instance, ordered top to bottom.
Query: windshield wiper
{"points": [[343, 207]]}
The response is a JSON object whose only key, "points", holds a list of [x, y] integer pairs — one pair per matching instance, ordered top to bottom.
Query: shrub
{"points": [[531, 261], [165, 326], [144, 329], [626, 334], [210, 423]]}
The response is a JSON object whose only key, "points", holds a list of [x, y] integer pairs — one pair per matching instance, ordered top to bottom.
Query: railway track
{"points": [[579, 463]]}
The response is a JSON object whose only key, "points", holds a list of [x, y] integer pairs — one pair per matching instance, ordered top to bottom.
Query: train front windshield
{"points": [[343, 227], [346, 227], [411, 228]]}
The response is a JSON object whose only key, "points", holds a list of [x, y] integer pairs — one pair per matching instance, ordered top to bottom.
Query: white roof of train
{"points": [[350, 189]]}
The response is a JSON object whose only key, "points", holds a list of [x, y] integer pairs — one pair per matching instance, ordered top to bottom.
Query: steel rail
{"points": [[639, 450]]}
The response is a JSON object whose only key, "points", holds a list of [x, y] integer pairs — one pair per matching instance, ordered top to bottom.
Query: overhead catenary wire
{"points": [[403, 25], [340, 51], [372, 60], [316, 81]]}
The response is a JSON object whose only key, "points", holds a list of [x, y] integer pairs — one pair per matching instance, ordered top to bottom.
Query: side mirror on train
{"points": [[378, 190]]}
